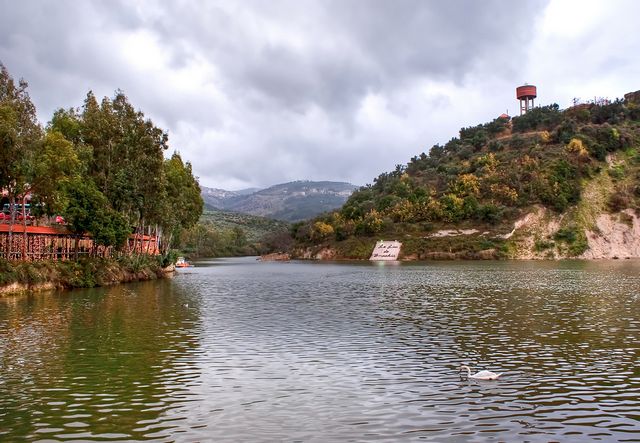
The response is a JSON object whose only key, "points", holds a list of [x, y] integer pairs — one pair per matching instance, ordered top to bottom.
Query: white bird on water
{"points": [[482, 375]]}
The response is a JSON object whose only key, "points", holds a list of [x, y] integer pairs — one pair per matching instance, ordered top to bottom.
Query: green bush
{"points": [[542, 117], [616, 172], [560, 187], [490, 213], [567, 235], [574, 238], [542, 245], [355, 248], [7, 272]]}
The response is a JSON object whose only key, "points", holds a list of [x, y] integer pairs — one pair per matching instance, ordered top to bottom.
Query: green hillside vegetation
{"points": [[489, 176], [301, 208], [224, 234]]}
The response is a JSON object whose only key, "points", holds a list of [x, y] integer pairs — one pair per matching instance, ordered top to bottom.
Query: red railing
{"points": [[58, 243]]}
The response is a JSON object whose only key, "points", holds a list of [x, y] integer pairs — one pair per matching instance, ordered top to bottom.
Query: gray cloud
{"points": [[255, 93]]}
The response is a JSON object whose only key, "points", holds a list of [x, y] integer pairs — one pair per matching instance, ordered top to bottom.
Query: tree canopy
{"points": [[101, 166]]}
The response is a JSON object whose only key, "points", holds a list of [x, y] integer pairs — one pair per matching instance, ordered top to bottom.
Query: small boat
{"points": [[182, 263]]}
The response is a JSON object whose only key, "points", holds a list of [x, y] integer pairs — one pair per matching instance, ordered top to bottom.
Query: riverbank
{"points": [[585, 231], [22, 277]]}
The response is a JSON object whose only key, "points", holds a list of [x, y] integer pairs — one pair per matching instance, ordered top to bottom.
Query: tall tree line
{"points": [[100, 165]]}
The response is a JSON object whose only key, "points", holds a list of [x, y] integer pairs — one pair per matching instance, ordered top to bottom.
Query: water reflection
{"points": [[565, 337], [235, 350], [94, 364]]}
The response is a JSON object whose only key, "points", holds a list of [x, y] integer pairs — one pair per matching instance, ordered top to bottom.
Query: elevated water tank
{"points": [[526, 93]]}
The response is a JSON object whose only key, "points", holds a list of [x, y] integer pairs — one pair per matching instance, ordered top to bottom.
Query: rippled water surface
{"points": [[238, 350]]}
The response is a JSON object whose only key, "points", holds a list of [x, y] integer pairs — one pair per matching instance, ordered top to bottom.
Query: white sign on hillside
{"points": [[386, 250]]}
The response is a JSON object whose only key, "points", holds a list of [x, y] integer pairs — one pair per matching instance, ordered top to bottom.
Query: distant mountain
{"points": [[215, 198], [294, 201]]}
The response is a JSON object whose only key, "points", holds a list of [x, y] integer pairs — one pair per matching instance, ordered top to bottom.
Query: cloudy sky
{"points": [[255, 93]]}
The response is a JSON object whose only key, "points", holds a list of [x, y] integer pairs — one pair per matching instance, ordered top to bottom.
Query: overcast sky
{"points": [[255, 93]]}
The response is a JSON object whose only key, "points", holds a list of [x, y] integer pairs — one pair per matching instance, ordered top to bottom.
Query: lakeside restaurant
{"points": [[47, 238]]}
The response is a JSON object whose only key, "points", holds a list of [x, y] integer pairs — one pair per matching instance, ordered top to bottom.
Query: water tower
{"points": [[526, 94]]}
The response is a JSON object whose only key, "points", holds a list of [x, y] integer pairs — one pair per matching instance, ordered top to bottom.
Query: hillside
{"points": [[549, 184], [215, 198], [299, 200], [254, 227], [224, 233]]}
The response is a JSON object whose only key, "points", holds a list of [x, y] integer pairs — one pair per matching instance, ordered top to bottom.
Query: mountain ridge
{"points": [[291, 201]]}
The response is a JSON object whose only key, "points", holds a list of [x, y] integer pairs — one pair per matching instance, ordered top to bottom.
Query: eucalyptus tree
{"points": [[68, 123], [20, 135], [126, 160], [52, 165], [102, 166], [139, 179], [183, 203], [88, 211]]}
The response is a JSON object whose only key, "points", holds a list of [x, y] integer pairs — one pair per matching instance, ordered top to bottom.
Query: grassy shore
{"points": [[83, 273]]}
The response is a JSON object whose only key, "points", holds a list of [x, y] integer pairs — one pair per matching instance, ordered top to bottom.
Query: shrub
{"points": [[610, 113], [542, 117], [565, 131], [545, 137], [517, 141], [495, 146], [575, 146], [617, 172], [560, 187], [618, 201], [452, 208], [490, 213], [626, 219], [371, 224], [321, 230], [567, 235], [575, 239], [543, 245], [355, 248], [7, 272]]}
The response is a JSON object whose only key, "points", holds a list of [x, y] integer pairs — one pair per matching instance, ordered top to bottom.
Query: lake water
{"points": [[238, 350]]}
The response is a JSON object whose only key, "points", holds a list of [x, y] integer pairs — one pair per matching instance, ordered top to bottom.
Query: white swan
{"points": [[482, 375]]}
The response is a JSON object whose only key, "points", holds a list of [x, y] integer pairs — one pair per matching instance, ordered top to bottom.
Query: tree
{"points": [[19, 129], [20, 134], [127, 157], [101, 166], [49, 170], [183, 203], [88, 211], [238, 238]]}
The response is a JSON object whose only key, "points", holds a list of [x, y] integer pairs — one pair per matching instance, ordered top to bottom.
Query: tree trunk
{"points": [[12, 220], [24, 227], [140, 238], [148, 240], [167, 245]]}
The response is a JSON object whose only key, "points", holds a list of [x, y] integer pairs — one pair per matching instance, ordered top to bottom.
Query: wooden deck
{"points": [[58, 243]]}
